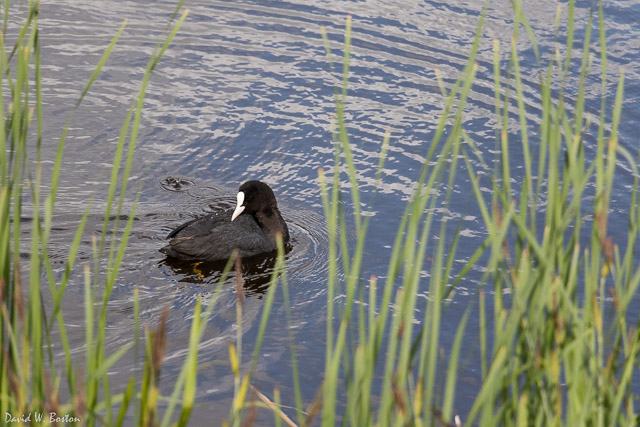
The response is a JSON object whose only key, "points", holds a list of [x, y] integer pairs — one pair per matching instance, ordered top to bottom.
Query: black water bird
{"points": [[251, 228]]}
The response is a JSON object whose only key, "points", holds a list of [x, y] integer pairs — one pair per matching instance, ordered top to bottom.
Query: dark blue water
{"points": [[246, 92]]}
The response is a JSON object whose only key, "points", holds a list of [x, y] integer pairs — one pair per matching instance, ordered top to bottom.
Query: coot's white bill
{"points": [[239, 207]]}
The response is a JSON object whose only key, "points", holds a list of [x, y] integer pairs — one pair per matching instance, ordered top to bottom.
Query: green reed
{"points": [[548, 355], [553, 358], [30, 380]]}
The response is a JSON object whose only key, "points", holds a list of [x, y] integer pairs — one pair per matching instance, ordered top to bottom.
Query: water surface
{"points": [[246, 92]]}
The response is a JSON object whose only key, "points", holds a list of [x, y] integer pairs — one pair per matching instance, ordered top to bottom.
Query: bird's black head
{"points": [[254, 196]]}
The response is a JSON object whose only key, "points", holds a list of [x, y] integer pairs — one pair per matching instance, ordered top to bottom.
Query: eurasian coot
{"points": [[251, 228]]}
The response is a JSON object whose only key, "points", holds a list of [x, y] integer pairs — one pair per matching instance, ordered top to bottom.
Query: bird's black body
{"points": [[252, 231]]}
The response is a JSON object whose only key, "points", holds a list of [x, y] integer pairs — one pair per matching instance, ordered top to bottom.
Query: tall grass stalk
{"points": [[546, 354], [30, 380], [403, 396], [244, 403]]}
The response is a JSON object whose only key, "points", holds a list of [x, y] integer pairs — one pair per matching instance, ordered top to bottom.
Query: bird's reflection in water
{"points": [[250, 275]]}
